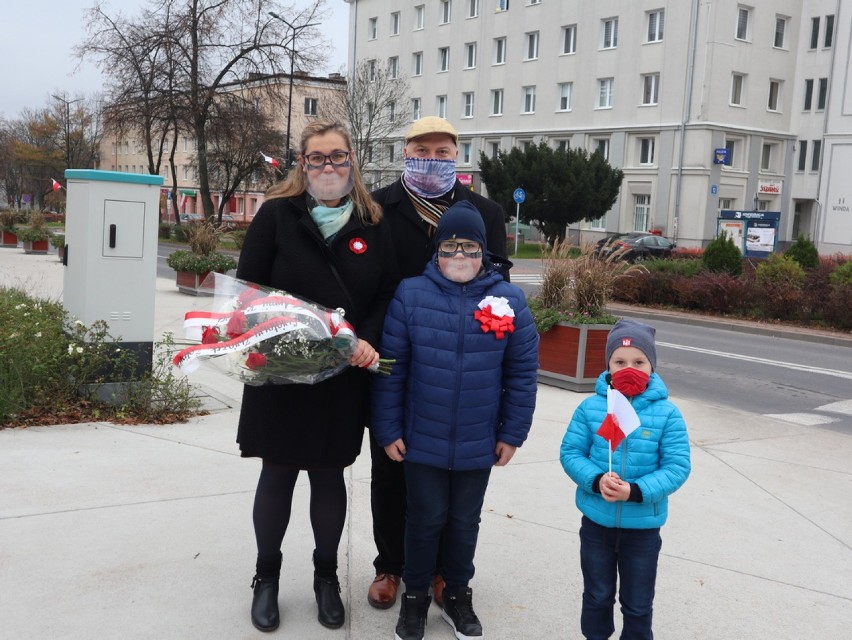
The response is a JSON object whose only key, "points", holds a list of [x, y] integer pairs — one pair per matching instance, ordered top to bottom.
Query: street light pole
{"points": [[296, 31], [68, 104]]}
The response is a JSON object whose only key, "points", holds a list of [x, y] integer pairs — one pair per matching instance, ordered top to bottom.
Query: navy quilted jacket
{"points": [[454, 391], [655, 456]]}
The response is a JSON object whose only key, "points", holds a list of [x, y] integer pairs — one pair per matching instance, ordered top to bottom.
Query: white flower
{"points": [[499, 306], [38, 334], [70, 349], [79, 349]]}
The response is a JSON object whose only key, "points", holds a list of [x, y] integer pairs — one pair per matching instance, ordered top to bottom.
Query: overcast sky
{"points": [[38, 36]]}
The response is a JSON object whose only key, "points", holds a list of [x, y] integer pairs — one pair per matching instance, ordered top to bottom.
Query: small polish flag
{"points": [[270, 160], [56, 186], [621, 419]]}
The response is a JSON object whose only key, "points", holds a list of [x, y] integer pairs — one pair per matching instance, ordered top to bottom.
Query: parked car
{"points": [[191, 217], [635, 246]]}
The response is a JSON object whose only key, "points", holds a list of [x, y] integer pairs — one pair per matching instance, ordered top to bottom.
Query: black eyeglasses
{"points": [[335, 159], [452, 247]]}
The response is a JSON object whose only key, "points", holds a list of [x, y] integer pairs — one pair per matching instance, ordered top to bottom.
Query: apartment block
{"points": [[706, 105]]}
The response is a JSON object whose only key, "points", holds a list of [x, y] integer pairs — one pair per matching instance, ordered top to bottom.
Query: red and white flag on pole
{"points": [[270, 160], [56, 186], [621, 419]]}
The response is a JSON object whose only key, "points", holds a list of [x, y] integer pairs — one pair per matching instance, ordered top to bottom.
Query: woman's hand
{"points": [[364, 356], [396, 450]]}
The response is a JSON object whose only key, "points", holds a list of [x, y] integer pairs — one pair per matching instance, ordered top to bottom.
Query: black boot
{"points": [[264, 603], [330, 611]]}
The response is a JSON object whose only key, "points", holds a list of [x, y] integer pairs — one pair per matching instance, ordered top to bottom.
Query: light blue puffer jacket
{"points": [[454, 391], [655, 456]]}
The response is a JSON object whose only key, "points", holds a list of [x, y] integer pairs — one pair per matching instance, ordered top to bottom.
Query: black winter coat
{"points": [[411, 239], [320, 425]]}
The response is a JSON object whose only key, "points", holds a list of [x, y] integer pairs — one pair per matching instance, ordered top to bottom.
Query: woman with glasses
{"points": [[317, 235]]}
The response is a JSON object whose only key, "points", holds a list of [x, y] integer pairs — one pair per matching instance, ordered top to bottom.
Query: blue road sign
{"points": [[519, 195]]}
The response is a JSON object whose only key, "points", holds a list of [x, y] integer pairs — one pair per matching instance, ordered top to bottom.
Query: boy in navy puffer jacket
{"points": [[459, 400], [625, 504]]}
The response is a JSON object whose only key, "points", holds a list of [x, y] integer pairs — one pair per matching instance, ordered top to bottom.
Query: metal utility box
{"points": [[111, 254]]}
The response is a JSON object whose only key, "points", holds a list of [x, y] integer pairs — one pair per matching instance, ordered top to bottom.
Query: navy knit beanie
{"points": [[462, 220], [629, 333]]}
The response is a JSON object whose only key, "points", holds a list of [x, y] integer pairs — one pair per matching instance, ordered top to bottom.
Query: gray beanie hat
{"points": [[629, 333]]}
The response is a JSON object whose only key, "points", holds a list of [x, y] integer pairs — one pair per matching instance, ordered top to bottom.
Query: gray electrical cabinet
{"points": [[111, 254]]}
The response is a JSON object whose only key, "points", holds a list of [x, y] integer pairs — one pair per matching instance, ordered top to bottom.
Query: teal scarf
{"points": [[330, 220]]}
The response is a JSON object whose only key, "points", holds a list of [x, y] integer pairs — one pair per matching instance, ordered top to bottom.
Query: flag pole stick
{"points": [[610, 457]]}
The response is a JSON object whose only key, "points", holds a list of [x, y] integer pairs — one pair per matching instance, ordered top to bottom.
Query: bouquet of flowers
{"points": [[262, 336]]}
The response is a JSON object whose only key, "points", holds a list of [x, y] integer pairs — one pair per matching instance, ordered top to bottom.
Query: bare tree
{"points": [[374, 105]]}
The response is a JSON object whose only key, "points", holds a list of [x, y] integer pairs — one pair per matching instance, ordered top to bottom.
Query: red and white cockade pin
{"points": [[357, 245]]}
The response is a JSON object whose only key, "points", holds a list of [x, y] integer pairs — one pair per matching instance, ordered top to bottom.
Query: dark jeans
{"points": [[387, 499], [441, 500], [631, 554]]}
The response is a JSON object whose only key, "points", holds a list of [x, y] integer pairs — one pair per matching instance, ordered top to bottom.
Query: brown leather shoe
{"points": [[438, 585], [382, 593]]}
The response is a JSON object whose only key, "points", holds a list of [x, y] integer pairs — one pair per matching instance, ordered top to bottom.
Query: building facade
{"points": [[313, 97], [706, 105]]}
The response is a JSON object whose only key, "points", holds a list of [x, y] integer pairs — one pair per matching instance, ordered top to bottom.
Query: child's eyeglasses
{"points": [[335, 159], [451, 247]]}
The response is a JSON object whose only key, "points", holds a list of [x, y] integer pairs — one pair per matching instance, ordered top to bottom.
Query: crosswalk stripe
{"points": [[526, 278], [805, 419]]}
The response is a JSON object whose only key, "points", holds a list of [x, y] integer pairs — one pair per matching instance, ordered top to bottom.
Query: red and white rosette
{"points": [[495, 315]]}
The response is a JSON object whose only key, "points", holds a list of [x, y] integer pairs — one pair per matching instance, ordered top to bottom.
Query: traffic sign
{"points": [[519, 195]]}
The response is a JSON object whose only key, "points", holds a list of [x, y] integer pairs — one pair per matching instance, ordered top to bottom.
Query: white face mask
{"points": [[328, 186], [459, 269]]}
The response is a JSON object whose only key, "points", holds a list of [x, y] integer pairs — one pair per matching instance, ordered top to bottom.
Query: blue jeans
{"points": [[441, 500], [631, 555]]}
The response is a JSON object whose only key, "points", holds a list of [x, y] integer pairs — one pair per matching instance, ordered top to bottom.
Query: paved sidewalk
{"points": [[145, 531]]}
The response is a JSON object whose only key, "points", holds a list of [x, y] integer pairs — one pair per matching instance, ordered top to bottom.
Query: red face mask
{"points": [[631, 382]]}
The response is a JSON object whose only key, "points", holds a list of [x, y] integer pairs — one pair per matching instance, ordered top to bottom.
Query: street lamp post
{"points": [[296, 31], [68, 104]]}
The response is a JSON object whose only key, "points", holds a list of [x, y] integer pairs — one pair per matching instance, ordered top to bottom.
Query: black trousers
{"points": [[387, 499]]}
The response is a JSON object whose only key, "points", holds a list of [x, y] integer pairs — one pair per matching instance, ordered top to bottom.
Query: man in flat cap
{"points": [[412, 207]]}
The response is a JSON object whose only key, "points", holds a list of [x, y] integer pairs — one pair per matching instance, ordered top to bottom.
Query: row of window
{"points": [[445, 14], [773, 101]]}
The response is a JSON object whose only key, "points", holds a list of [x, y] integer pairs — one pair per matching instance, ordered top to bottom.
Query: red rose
{"points": [[357, 245], [237, 325], [210, 335], [255, 360]]}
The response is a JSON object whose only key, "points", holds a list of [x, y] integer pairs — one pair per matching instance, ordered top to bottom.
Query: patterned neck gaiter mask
{"points": [[429, 178]]}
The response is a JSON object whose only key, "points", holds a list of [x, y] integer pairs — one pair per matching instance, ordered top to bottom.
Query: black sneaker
{"points": [[458, 611], [412, 616]]}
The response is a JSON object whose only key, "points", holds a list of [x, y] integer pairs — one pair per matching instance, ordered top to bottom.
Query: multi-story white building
{"points": [[706, 105]]}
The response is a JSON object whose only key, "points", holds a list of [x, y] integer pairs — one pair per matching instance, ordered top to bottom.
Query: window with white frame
{"points": [[531, 2], [502, 5], [472, 8], [446, 11], [419, 17], [743, 20], [656, 22], [394, 23], [372, 28], [814, 32], [829, 32], [609, 33], [569, 39], [780, 41], [532, 46], [499, 50], [470, 55], [444, 59], [417, 63], [393, 67], [371, 70], [737, 87], [650, 88], [566, 90], [605, 93], [809, 94], [822, 94], [774, 98], [529, 100], [467, 101], [496, 102], [311, 106], [441, 106], [415, 109], [371, 110], [391, 111], [562, 145], [732, 145], [601, 146], [494, 149], [646, 150], [465, 152], [390, 153], [803, 155], [815, 155], [766, 157], [726, 203], [641, 211]]}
